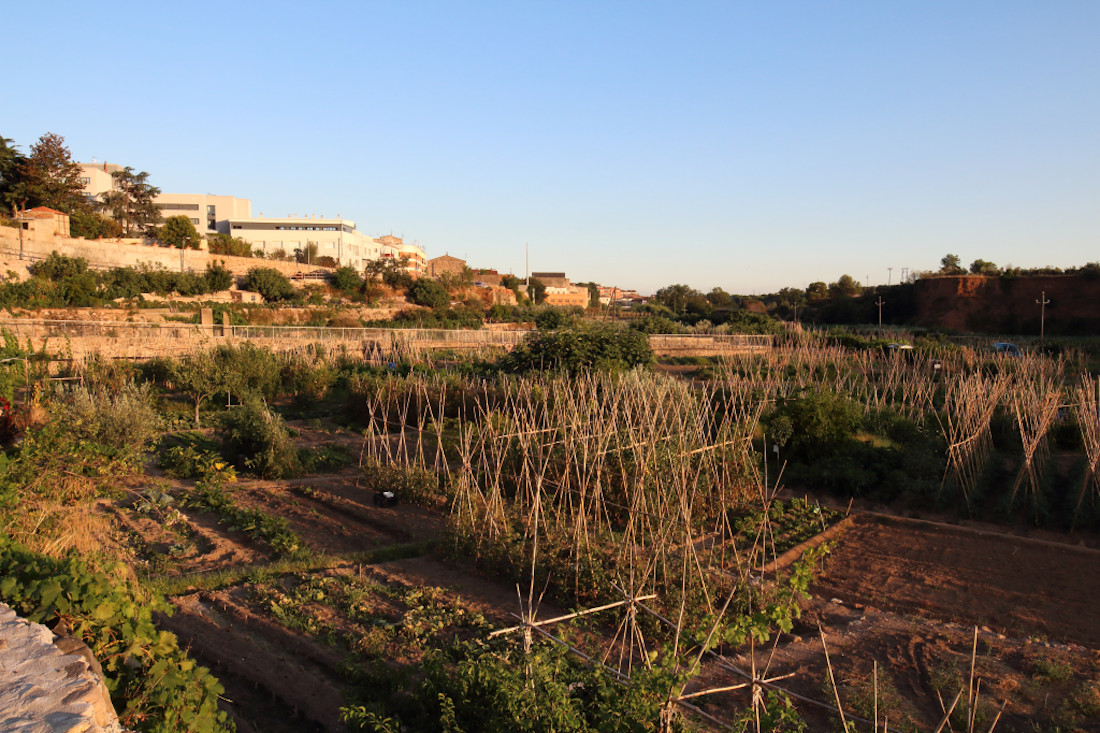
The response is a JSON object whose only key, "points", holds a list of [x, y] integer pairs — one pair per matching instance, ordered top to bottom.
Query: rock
{"points": [[43, 689]]}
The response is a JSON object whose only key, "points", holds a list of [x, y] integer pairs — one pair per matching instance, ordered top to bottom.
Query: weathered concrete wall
{"points": [[107, 253], [80, 339], [43, 688]]}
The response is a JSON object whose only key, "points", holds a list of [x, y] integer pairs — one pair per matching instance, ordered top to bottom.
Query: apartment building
{"points": [[209, 213], [335, 238], [397, 248]]}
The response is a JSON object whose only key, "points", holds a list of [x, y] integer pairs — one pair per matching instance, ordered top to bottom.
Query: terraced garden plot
{"points": [[1014, 585]]}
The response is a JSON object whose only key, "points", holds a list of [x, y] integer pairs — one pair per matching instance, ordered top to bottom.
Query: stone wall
{"points": [[107, 253]]}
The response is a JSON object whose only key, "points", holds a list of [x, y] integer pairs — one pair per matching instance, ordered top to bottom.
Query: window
{"points": [[86, 181], [179, 207], [210, 210], [194, 221], [211, 224]]}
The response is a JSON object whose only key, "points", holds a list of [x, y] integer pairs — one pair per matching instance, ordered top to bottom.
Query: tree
{"points": [[51, 177], [12, 187], [131, 202], [90, 225], [179, 232], [224, 244], [306, 255], [951, 265], [984, 267], [394, 272], [346, 280], [456, 282], [270, 283], [512, 283], [845, 287], [536, 290], [816, 292], [430, 293], [593, 294], [675, 297], [719, 298], [198, 375]]}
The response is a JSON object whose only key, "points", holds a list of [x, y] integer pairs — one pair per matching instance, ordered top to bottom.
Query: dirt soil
{"points": [[1014, 585], [907, 595]]}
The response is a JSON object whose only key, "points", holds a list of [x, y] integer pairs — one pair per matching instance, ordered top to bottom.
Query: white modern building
{"points": [[209, 213], [335, 238]]}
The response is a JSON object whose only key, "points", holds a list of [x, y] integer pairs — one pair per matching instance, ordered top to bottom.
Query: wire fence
{"points": [[85, 337]]}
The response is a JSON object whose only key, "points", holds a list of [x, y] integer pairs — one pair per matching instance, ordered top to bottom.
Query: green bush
{"points": [[57, 267], [347, 280], [270, 283], [429, 293], [656, 324], [579, 349], [124, 420], [813, 424], [258, 440], [408, 483], [152, 682]]}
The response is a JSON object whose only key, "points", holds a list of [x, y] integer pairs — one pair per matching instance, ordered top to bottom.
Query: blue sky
{"points": [[750, 146]]}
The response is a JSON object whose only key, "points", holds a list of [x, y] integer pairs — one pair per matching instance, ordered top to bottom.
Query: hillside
{"points": [[1009, 305]]}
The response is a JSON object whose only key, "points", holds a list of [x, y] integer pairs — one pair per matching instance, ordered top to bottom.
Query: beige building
{"points": [[97, 179], [210, 214], [44, 223], [396, 248], [446, 263], [565, 296]]}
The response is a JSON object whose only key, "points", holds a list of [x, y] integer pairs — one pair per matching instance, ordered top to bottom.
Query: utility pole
{"points": [[22, 223], [880, 302], [1043, 303]]}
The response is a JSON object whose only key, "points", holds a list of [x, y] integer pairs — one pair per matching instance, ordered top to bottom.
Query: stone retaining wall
{"points": [[107, 253]]}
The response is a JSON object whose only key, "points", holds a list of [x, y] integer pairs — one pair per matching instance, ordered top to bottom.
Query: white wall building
{"points": [[210, 214], [335, 238]]}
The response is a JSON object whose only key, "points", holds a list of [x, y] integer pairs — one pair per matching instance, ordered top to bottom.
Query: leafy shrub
{"points": [[57, 267], [217, 278], [347, 280], [269, 283], [429, 293], [435, 318], [550, 319], [743, 321], [655, 324], [578, 349], [307, 379], [124, 420], [814, 423], [257, 439], [192, 455], [408, 483], [151, 680]]}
